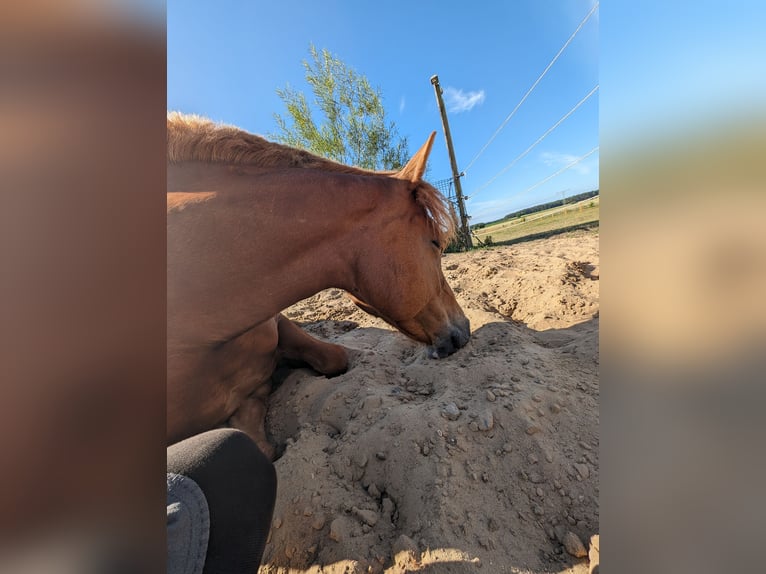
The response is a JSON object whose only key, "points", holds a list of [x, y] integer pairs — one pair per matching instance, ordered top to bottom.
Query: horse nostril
{"points": [[460, 335], [458, 339], [451, 341]]}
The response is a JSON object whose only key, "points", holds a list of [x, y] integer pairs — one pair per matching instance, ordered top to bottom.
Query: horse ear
{"points": [[416, 167]]}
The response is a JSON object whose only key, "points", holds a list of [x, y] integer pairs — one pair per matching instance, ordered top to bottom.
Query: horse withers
{"points": [[253, 227]]}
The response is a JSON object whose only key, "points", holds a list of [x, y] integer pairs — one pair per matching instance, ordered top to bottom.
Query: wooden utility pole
{"points": [[465, 234]]}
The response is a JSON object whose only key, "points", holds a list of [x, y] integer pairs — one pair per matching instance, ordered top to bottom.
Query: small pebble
{"points": [[491, 396], [555, 408], [451, 412], [486, 420], [473, 426], [533, 429], [508, 447], [380, 455], [582, 470], [535, 477], [373, 490], [539, 491], [388, 506], [369, 517], [277, 522], [319, 522], [336, 528], [550, 533], [574, 546]]}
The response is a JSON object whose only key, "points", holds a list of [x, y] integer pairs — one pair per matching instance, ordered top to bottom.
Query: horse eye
{"points": [[436, 244]]}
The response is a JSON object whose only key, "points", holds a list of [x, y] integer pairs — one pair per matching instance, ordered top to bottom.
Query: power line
{"points": [[529, 91], [541, 138], [559, 172]]}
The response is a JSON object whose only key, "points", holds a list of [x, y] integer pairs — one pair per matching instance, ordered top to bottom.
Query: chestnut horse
{"points": [[253, 227]]}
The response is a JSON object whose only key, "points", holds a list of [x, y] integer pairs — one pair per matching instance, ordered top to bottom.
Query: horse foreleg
{"points": [[296, 344], [250, 418]]}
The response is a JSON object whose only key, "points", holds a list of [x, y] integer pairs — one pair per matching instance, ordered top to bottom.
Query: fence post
{"points": [[465, 234]]}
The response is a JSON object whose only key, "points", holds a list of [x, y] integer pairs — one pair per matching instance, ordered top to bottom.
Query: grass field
{"points": [[584, 213]]}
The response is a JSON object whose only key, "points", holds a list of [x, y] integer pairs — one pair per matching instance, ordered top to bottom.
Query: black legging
{"points": [[240, 486]]}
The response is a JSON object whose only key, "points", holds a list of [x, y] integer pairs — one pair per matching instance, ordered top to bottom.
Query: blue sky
{"points": [[226, 59]]}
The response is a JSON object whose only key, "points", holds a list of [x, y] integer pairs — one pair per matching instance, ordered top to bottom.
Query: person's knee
{"points": [[224, 458], [239, 483]]}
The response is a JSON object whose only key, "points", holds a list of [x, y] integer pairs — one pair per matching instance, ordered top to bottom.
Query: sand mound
{"points": [[486, 459]]}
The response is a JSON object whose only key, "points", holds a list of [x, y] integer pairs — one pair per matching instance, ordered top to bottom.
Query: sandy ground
{"points": [[486, 461]]}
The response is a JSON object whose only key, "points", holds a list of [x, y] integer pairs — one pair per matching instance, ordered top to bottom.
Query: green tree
{"points": [[353, 130]]}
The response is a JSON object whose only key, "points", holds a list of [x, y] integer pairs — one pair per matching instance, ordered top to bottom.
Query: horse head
{"points": [[398, 273]]}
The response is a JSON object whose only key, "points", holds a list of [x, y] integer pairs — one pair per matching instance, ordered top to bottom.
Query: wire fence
{"points": [[534, 85], [537, 141], [446, 185], [447, 188]]}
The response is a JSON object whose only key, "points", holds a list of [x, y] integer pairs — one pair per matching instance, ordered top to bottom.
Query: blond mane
{"points": [[194, 138]]}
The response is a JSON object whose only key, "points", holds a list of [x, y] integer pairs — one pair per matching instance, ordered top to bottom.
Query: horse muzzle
{"points": [[450, 340]]}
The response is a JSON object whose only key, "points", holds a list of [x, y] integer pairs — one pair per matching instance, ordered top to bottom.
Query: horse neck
{"points": [[279, 236]]}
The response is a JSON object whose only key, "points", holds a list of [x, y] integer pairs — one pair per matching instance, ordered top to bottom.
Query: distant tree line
{"points": [[541, 207]]}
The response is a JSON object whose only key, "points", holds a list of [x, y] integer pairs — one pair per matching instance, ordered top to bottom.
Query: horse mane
{"points": [[194, 138]]}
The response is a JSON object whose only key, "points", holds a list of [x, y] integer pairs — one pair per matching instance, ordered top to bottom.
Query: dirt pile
{"points": [[486, 459]]}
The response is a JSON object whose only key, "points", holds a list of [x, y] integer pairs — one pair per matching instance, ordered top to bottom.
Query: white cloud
{"points": [[460, 101], [402, 103], [559, 160]]}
